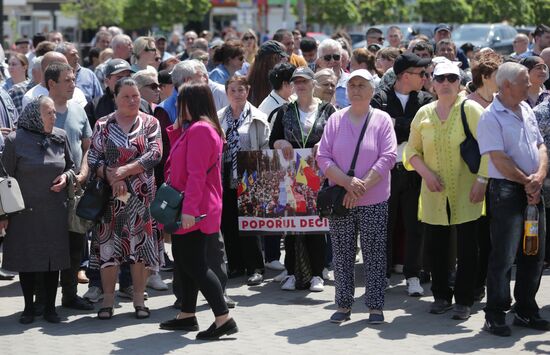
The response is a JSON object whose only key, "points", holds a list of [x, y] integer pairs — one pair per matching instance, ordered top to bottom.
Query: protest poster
{"points": [[276, 195]]}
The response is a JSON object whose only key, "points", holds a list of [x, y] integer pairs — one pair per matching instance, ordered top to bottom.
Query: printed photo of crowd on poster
{"points": [[278, 195]]}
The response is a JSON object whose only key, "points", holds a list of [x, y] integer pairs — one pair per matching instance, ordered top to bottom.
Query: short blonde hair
{"points": [[139, 46]]}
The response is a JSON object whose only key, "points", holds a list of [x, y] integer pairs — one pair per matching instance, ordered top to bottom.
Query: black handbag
{"points": [[469, 148], [330, 199], [94, 201]]}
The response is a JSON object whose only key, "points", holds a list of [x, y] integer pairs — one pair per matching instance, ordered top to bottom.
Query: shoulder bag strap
{"points": [[467, 131], [351, 171]]}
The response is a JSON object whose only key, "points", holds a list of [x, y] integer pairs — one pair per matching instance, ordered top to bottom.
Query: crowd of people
{"points": [[387, 124]]}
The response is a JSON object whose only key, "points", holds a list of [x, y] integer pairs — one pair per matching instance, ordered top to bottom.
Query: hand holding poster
{"points": [[276, 195]]}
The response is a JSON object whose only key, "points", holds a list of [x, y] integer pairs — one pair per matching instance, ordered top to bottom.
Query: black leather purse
{"points": [[469, 148], [330, 199], [94, 201]]}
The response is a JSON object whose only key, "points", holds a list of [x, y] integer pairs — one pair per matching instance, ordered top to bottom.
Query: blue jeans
{"points": [[507, 205]]}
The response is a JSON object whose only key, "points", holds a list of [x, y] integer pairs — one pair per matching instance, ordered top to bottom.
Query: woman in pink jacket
{"points": [[194, 166]]}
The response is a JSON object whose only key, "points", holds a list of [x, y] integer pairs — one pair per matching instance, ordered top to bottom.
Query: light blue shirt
{"points": [[219, 74], [88, 83], [342, 91], [75, 123], [500, 129]]}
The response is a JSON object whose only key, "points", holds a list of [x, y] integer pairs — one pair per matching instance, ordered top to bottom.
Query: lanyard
{"points": [[304, 141]]}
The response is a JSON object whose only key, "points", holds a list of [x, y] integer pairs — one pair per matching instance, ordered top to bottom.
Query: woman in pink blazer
{"points": [[194, 167]]}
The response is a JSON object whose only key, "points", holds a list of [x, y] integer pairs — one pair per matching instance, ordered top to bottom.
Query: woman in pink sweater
{"points": [[194, 167]]}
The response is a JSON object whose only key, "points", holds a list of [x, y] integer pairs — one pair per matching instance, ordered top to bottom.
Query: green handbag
{"points": [[166, 207]]}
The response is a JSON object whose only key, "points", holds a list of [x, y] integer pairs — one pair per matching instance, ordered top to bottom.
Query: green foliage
{"points": [[383, 11], [451, 11], [513, 11], [541, 12], [94, 13], [163, 13], [338, 13]]}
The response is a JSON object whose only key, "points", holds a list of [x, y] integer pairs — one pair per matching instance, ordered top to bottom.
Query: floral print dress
{"points": [[127, 233]]}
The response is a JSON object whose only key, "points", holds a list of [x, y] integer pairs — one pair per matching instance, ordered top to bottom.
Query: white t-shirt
{"points": [[38, 90], [403, 98], [307, 119]]}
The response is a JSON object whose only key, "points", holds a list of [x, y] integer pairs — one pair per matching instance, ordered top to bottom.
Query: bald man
{"points": [[520, 44], [40, 89]]}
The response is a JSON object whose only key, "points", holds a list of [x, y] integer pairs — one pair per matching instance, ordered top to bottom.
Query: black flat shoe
{"points": [[78, 303], [101, 313], [52, 317], [26, 318], [189, 324], [213, 333]]}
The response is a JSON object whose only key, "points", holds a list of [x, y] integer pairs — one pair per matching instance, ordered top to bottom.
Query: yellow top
{"points": [[438, 144]]}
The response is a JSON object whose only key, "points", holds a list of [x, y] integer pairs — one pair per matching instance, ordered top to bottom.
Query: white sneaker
{"points": [[275, 265], [327, 274], [281, 276], [155, 282], [289, 283], [317, 284], [413, 287], [128, 292], [94, 294]]}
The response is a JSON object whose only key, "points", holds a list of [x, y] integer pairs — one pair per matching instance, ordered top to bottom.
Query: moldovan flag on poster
{"points": [[300, 166], [242, 184]]}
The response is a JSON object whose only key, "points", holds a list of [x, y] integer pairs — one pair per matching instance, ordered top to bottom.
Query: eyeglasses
{"points": [[246, 38], [379, 39], [148, 49], [328, 57], [421, 74], [451, 78], [153, 86]]}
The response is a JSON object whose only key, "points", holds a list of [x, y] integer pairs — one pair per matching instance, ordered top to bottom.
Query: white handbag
{"points": [[11, 200]]}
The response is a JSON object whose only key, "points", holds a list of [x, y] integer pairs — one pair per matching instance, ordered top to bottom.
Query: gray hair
{"points": [[120, 40], [328, 44], [63, 47], [37, 63], [186, 69], [324, 72], [508, 72]]}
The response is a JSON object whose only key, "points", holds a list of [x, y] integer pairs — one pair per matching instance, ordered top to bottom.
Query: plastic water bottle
{"points": [[531, 230]]}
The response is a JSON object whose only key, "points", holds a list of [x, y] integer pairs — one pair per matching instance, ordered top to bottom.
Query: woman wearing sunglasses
{"points": [[250, 43], [144, 53], [330, 56], [230, 59], [538, 74], [148, 86], [451, 195]]}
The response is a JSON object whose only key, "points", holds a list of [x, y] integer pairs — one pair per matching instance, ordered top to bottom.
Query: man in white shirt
{"points": [[40, 89]]}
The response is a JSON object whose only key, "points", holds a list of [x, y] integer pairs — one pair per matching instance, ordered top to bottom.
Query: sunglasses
{"points": [[246, 38], [379, 39], [147, 49], [328, 57], [421, 74], [451, 78], [153, 86]]}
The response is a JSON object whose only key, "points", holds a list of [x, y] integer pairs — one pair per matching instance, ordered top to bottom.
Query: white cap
{"points": [[446, 68], [363, 73]]}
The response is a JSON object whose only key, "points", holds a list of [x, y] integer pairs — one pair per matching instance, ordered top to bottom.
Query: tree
{"points": [[444, 10], [382, 11], [513, 11], [541, 11], [93, 13], [163, 13], [338, 13]]}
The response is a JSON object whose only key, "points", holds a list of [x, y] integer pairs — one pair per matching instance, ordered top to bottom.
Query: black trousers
{"points": [[405, 190], [438, 238], [315, 246], [243, 253], [190, 255], [216, 260], [69, 281], [48, 285]]}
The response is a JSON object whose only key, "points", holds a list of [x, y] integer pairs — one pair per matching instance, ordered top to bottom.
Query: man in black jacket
{"points": [[115, 70], [402, 101]]}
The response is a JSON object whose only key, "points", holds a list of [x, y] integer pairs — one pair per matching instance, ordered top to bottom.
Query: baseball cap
{"points": [[442, 27], [160, 37], [22, 41], [271, 47], [409, 60], [115, 66], [446, 68], [303, 72], [362, 73], [165, 77]]}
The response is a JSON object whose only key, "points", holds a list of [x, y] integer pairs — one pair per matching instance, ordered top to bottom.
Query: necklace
{"points": [[484, 99]]}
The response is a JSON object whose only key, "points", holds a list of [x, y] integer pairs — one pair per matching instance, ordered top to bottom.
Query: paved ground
{"points": [[271, 321]]}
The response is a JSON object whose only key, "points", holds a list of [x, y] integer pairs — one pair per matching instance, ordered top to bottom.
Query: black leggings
{"points": [[189, 252], [29, 280]]}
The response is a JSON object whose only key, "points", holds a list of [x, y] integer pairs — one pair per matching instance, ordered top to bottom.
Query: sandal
{"points": [[142, 309], [108, 310]]}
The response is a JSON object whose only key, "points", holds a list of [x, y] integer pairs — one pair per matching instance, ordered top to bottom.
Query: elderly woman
{"points": [[144, 53], [330, 54], [230, 59], [18, 67], [484, 73], [538, 74], [325, 85], [148, 86], [300, 124], [246, 128], [197, 143], [126, 145], [367, 194], [450, 195], [37, 240]]}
